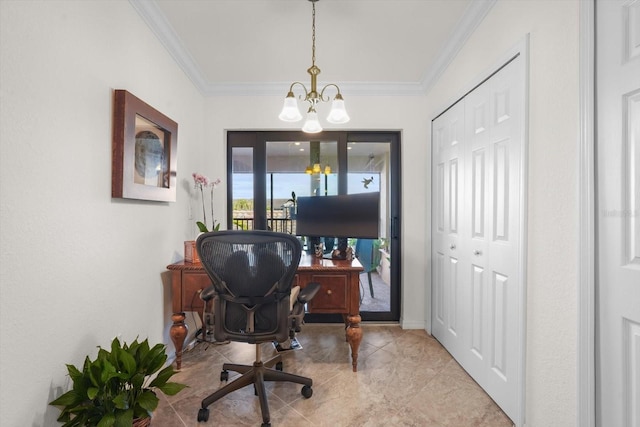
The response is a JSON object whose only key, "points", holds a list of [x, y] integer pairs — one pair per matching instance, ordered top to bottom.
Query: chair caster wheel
{"points": [[279, 366], [224, 376], [307, 391], [203, 415], [266, 425]]}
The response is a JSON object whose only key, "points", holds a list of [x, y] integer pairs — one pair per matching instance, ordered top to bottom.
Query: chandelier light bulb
{"points": [[290, 111], [338, 113], [312, 125]]}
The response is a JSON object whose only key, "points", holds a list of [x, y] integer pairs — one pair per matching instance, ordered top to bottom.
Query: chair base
{"points": [[290, 344], [255, 374]]}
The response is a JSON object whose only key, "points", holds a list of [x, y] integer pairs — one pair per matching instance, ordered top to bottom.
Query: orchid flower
{"points": [[201, 182]]}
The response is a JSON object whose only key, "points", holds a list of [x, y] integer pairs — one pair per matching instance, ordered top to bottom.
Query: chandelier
{"points": [[290, 111]]}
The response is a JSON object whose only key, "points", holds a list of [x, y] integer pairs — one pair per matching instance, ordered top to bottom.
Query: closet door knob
{"points": [[453, 246], [477, 252]]}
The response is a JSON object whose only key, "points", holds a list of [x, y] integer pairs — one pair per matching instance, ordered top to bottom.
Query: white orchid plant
{"points": [[203, 183]]}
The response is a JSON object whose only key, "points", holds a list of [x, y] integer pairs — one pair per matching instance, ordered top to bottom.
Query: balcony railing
{"points": [[281, 225]]}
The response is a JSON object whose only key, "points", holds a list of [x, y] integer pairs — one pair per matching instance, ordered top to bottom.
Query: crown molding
{"points": [[472, 17], [157, 22], [160, 26]]}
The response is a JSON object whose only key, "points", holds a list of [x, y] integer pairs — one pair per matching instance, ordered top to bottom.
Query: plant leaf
{"points": [[203, 228], [128, 363], [155, 364], [74, 373], [163, 377], [137, 380], [171, 389], [92, 392], [70, 398], [148, 400], [121, 401], [124, 419], [107, 421]]}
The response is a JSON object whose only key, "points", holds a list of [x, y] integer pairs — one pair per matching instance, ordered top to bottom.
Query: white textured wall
{"points": [[76, 267], [551, 352]]}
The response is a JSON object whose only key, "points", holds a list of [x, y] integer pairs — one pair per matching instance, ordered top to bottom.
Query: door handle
{"points": [[394, 227]]}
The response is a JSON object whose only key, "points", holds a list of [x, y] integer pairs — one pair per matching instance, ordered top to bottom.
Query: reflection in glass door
{"points": [[297, 169], [368, 171], [242, 188]]}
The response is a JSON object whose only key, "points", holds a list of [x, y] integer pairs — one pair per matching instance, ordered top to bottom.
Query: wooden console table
{"points": [[339, 293]]}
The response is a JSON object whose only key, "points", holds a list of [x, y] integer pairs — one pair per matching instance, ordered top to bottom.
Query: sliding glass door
{"points": [[268, 171]]}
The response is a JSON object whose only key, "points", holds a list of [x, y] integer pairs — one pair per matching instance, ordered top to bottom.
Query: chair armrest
{"points": [[308, 292], [208, 293]]}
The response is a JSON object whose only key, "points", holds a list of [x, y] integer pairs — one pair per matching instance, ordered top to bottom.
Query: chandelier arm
{"points": [[306, 92], [321, 96]]}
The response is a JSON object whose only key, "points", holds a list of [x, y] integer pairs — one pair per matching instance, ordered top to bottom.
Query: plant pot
{"points": [[190, 252], [141, 422]]}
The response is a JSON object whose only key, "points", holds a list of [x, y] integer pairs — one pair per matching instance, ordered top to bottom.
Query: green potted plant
{"points": [[118, 388]]}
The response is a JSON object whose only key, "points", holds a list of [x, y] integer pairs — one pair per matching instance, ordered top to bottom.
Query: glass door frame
{"points": [[257, 140]]}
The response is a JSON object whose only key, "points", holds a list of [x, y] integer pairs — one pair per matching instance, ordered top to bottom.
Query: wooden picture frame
{"points": [[144, 151]]}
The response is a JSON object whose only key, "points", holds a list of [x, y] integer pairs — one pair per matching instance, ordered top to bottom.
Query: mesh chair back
{"points": [[252, 273]]}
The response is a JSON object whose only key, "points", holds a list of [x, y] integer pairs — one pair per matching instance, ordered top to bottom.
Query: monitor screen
{"points": [[352, 215]]}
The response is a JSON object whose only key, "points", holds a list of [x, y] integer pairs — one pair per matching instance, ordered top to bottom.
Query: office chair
{"points": [[366, 253], [252, 273], [298, 300]]}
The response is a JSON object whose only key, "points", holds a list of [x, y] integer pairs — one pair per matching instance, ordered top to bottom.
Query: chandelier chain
{"points": [[313, 35]]}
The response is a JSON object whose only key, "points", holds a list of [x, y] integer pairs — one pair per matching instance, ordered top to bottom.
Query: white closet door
{"points": [[494, 114], [448, 192], [618, 213], [485, 297]]}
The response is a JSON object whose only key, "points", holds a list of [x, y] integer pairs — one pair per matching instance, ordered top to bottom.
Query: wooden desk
{"points": [[339, 293]]}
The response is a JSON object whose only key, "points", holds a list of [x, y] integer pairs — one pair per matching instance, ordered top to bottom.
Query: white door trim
{"points": [[586, 220]]}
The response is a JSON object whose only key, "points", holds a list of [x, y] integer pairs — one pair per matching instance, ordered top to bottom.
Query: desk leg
{"points": [[178, 333], [354, 337]]}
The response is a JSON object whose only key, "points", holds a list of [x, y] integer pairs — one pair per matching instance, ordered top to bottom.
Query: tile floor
{"points": [[404, 378]]}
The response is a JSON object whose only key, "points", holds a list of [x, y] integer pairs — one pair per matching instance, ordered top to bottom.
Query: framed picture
{"points": [[144, 151]]}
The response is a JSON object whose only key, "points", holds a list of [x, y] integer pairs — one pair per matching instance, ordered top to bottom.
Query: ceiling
{"points": [[259, 47]]}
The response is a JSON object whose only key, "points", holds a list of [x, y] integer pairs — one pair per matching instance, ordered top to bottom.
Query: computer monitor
{"points": [[351, 215]]}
